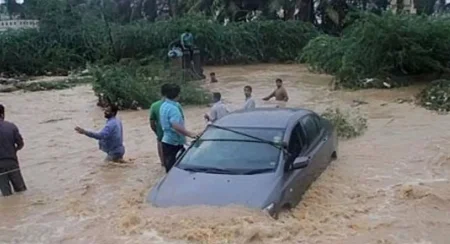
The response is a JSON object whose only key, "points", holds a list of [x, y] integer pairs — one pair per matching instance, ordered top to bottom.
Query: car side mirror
{"points": [[300, 163]]}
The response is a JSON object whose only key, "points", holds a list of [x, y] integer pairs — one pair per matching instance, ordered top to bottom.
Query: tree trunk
{"points": [[400, 6], [424, 6], [173, 8], [150, 10], [306, 10]]}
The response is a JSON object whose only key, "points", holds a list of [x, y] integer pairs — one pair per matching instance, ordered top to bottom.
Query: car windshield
{"points": [[234, 151]]}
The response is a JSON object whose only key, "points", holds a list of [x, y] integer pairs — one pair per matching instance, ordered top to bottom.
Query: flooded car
{"points": [[264, 158]]}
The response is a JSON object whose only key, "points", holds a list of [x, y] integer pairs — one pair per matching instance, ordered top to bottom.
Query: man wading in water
{"points": [[279, 93], [249, 102], [218, 110], [155, 120], [172, 123], [110, 138], [10, 142]]}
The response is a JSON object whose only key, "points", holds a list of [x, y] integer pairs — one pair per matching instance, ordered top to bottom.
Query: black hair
{"points": [[187, 29], [212, 73], [279, 80], [248, 87], [164, 89], [173, 91], [217, 96], [114, 108], [2, 110]]}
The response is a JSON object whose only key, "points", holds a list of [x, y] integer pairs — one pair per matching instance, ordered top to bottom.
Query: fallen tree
{"points": [[436, 96], [347, 126]]}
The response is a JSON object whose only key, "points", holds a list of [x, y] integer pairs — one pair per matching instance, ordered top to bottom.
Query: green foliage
{"points": [[71, 38], [233, 43], [382, 47], [52, 48], [323, 54], [132, 85], [436, 96], [347, 126]]}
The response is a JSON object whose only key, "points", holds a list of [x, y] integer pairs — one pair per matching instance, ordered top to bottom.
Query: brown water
{"points": [[390, 185]]}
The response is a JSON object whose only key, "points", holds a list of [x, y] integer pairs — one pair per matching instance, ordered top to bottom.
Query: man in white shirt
{"points": [[249, 102], [218, 110]]}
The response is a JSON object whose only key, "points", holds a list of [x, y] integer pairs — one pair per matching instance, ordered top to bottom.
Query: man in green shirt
{"points": [[155, 123]]}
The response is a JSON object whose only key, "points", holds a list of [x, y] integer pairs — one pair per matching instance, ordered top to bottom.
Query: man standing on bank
{"points": [[187, 42], [172, 123], [110, 138], [10, 143]]}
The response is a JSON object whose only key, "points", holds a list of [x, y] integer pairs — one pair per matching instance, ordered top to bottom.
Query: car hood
{"points": [[184, 188]]}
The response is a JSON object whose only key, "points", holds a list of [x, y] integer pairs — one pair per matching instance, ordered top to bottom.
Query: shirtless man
{"points": [[279, 93]]}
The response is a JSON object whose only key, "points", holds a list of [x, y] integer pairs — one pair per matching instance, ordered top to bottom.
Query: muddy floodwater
{"points": [[390, 185]]}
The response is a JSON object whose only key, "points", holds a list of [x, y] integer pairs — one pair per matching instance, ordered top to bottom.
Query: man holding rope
{"points": [[155, 123], [172, 123], [10, 142]]}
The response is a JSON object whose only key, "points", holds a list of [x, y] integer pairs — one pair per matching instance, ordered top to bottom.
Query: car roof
{"points": [[262, 117]]}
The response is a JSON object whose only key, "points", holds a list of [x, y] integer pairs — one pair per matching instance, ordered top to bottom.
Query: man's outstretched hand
{"points": [[80, 130]]}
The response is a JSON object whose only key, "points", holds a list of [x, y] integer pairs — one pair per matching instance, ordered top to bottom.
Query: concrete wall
{"points": [[18, 24]]}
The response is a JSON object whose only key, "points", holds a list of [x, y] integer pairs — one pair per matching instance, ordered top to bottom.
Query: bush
{"points": [[71, 40], [240, 42], [383, 47], [323, 54], [132, 85], [436, 96], [346, 126]]}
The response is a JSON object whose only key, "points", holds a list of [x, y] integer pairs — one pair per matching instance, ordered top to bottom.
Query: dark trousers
{"points": [[191, 52], [170, 154], [10, 175]]}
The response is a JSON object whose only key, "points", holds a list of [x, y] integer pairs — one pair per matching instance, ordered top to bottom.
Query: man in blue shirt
{"points": [[187, 42], [172, 123], [110, 138]]}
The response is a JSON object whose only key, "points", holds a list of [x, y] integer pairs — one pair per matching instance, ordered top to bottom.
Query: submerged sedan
{"points": [[264, 158]]}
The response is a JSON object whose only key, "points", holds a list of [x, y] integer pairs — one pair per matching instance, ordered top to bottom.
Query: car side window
{"points": [[318, 123], [311, 127], [295, 142]]}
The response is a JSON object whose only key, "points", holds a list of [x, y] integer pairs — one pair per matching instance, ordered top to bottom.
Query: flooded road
{"points": [[389, 186]]}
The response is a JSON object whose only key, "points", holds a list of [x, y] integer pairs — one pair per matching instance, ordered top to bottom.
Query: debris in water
{"points": [[357, 102], [53, 120]]}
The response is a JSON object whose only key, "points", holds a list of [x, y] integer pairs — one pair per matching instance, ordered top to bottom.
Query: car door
{"points": [[315, 139], [326, 145], [292, 179]]}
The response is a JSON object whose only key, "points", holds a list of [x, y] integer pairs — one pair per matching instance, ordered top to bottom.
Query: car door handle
{"points": [[325, 138]]}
